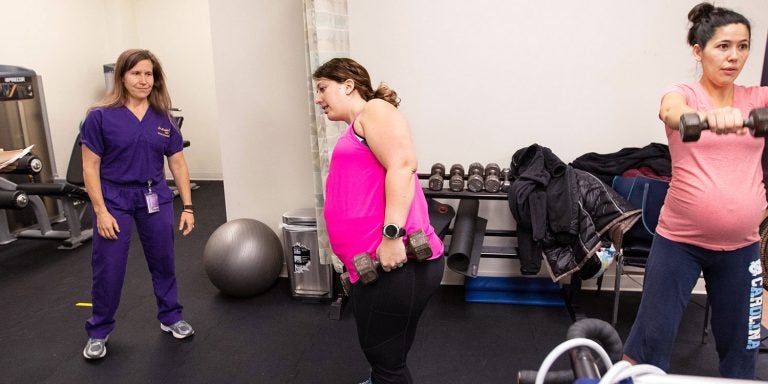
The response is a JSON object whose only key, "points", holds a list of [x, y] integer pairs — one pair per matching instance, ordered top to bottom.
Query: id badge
{"points": [[152, 204]]}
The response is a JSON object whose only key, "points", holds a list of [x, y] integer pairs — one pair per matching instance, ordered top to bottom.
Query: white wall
{"points": [[179, 33], [53, 39], [67, 42], [482, 79], [261, 83]]}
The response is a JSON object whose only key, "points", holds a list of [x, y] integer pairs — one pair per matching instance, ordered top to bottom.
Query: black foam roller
{"points": [[27, 165], [31, 165], [13, 199], [463, 235], [599, 331], [583, 364]]}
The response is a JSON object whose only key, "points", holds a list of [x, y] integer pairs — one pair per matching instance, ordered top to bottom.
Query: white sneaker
{"points": [[180, 329], [95, 348]]}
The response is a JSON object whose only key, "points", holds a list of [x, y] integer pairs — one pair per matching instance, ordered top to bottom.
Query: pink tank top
{"points": [[716, 196], [355, 201]]}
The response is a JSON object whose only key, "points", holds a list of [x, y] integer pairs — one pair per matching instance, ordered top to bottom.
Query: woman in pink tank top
{"points": [[373, 202], [710, 218]]}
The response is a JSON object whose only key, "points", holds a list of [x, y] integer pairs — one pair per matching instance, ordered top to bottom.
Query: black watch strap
{"points": [[393, 231]]}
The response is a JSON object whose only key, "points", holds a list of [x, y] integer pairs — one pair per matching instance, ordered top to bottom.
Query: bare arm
{"points": [[672, 107], [389, 136], [178, 166], [106, 225]]}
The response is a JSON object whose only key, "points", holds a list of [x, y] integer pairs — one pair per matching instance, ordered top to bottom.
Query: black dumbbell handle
{"points": [[748, 123], [704, 124]]}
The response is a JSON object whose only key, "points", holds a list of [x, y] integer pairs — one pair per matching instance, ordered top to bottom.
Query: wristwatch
{"points": [[392, 231]]}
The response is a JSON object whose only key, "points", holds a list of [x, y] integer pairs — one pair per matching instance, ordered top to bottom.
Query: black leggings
{"points": [[387, 313]]}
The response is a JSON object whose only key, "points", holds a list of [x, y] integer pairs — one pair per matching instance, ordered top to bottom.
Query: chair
{"points": [[647, 194]]}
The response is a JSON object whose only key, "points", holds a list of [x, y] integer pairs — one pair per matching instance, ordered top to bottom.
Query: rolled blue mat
{"points": [[517, 284], [520, 298]]}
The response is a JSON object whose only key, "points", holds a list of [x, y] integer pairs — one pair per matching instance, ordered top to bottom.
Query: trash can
{"points": [[309, 279]]}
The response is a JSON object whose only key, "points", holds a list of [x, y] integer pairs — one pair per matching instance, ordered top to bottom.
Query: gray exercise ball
{"points": [[243, 257]]}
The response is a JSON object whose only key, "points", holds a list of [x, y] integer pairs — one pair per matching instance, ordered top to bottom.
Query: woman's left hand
{"points": [[186, 223], [391, 254]]}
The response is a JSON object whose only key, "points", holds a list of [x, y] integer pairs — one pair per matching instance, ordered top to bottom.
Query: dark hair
{"points": [[706, 18], [343, 69], [159, 98]]}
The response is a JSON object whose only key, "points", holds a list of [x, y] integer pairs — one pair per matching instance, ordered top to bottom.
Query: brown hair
{"points": [[343, 69], [159, 98]]}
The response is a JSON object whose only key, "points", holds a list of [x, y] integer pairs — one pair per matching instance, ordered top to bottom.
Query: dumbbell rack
{"points": [[487, 251], [567, 290]]}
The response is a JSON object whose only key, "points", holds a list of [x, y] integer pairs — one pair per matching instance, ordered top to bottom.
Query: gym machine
{"points": [[23, 112], [589, 336]]}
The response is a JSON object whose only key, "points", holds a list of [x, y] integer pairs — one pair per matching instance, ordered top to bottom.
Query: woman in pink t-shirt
{"points": [[373, 202], [710, 218]]}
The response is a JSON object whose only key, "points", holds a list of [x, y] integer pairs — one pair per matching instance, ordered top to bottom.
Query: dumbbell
{"points": [[691, 124], [436, 180], [475, 181], [456, 182], [492, 182], [505, 184], [416, 246]]}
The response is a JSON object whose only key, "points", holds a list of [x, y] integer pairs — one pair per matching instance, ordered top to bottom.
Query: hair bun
{"points": [[700, 11]]}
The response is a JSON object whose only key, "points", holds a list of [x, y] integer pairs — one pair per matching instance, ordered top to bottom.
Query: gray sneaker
{"points": [[180, 329], [95, 348]]}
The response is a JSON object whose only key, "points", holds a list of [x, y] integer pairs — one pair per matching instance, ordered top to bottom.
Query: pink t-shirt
{"points": [[716, 197], [355, 200]]}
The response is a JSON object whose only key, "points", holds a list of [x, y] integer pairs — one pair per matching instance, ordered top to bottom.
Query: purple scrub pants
{"points": [[109, 259]]}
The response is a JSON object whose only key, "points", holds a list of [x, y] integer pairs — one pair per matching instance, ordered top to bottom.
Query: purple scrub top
{"points": [[131, 151]]}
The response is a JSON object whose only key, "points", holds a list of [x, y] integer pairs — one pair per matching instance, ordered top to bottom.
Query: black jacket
{"points": [[605, 166], [540, 201], [564, 213]]}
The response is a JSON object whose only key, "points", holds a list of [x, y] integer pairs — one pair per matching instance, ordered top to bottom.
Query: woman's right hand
{"points": [[724, 120], [107, 225]]}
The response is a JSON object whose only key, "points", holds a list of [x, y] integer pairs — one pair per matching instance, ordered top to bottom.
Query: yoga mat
{"points": [[440, 216], [516, 284], [521, 298]]}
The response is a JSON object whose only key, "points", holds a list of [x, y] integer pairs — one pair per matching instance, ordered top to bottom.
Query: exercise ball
{"points": [[243, 257]]}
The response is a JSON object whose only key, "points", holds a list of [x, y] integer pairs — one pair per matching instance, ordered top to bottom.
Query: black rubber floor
{"points": [[270, 338]]}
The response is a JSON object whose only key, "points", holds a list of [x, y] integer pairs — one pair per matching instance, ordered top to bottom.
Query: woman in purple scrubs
{"points": [[125, 138]]}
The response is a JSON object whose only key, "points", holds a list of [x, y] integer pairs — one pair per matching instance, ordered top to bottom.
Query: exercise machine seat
{"points": [[72, 186]]}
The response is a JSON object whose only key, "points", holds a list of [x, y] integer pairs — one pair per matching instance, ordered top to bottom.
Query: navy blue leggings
{"points": [[734, 288], [387, 313]]}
